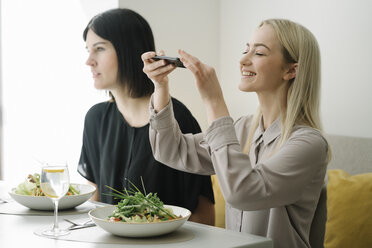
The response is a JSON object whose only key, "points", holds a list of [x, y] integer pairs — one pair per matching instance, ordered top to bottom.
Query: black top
{"points": [[113, 151]]}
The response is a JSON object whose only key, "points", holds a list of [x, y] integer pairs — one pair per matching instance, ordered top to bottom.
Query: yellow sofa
{"points": [[219, 203]]}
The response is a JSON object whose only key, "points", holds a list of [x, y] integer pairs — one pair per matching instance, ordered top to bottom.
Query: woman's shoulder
{"points": [[178, 106], [99, 109], [181, 112], [185, 119], [243, 122], [242, 126], [306, 131], [311, 136]]}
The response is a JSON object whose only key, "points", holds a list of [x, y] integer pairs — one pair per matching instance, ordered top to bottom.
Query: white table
{"points": [[18, 231]]}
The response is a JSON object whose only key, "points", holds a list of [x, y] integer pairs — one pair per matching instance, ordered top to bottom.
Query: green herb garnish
{"points": [[134, 206]]}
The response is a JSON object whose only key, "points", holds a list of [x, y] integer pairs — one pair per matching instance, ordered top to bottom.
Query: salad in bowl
{"points": [[30, 195], [139, 215]]}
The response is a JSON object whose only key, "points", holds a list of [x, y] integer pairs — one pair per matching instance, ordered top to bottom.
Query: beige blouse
{"points": [[272, 195]]}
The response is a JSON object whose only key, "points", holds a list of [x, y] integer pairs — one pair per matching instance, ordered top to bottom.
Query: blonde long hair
{"points": [[303, 97]]}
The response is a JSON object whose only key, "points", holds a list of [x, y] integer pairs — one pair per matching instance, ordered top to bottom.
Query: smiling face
{"points": [[102, 61], [262, 67]]}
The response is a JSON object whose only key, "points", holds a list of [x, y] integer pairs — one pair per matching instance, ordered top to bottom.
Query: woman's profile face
{"points": [[103, 61], [262, 66]]}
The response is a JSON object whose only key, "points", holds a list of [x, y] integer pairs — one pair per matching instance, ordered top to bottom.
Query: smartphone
{"points": [[170, 60]]}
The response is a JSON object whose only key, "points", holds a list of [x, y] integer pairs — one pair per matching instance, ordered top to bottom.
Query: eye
{"points": [[98, 49], [245, 52], [259, 54]]}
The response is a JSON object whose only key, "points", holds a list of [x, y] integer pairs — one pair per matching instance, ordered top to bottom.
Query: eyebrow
{"points": [[98, 43], [259, 44]]}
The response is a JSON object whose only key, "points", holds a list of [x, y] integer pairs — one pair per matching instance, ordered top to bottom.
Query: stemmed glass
{"points": [[54, 182]]}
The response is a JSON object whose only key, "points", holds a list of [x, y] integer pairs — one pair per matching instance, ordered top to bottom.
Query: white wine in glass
{"points": [[54, 182]]}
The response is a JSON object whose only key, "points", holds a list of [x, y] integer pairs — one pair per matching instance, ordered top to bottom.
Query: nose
{"points": [[246, 59], [90, 61]]}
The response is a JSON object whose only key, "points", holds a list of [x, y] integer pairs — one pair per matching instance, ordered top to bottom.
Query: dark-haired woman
{"points": [[116, 148]]}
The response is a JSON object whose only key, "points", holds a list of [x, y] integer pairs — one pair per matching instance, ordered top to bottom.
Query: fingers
{"points": [[146, 57], [187, 57], [149, 62], [192, 63], [151, 65], [156, 70], [165, 72], [205, 75]]}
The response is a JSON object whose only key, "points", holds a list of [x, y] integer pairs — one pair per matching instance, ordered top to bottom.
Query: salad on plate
{"points": [[31, 186]]}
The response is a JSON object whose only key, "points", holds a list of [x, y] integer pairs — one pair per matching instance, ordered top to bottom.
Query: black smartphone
{"points": [[170, 60]]}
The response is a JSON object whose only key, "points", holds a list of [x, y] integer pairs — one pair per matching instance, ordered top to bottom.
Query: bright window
{"points": [[47, 88]]}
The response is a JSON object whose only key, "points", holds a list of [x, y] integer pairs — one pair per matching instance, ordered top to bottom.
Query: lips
{"points": [[95, 74]]}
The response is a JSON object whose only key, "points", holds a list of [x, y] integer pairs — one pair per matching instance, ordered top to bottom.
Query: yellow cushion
{"points": [[219, 203], [349, 210]]}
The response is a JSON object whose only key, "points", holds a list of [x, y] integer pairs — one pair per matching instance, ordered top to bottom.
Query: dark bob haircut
{"points": [[131, 36]]}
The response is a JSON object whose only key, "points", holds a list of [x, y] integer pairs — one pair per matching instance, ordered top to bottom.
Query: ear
{"points": [[291, 71]]}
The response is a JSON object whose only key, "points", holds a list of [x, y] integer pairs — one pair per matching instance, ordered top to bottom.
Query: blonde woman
{"points": [[270, 166]]}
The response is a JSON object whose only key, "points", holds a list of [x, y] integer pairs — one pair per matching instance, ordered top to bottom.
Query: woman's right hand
{"points": [[158, 72]]}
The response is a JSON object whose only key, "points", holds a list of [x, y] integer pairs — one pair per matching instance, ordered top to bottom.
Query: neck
{"points": [[271, 106], [134, 110], [269, 114]]}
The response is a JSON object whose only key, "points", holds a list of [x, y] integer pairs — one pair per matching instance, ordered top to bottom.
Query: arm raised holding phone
{"points": [[205, 76]]}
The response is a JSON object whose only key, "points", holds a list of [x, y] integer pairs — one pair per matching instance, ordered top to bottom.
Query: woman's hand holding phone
{"points": [[157, 71]]}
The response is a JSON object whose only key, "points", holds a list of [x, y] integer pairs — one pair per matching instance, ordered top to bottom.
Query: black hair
{"points": [[131, 36]]}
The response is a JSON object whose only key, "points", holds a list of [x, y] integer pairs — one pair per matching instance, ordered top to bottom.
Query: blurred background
{"points": [[46, 88]]}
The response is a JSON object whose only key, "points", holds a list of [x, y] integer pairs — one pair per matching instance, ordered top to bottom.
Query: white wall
{"points": [[191, 25], [343, 29], [344, 32], [47, 88], [1, 102]]}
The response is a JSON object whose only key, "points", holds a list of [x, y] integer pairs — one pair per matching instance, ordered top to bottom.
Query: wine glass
{"points": [[54, 182]]}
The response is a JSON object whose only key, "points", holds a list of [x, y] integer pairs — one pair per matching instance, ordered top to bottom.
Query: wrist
{"points": [[161, 97], [216, 109]]}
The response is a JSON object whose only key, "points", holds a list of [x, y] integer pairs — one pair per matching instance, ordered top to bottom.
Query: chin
{"points": [[98, 86], [245, 88]]}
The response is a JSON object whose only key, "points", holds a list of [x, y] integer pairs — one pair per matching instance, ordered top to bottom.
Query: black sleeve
{"points": [[188, 124], [89, 155]]}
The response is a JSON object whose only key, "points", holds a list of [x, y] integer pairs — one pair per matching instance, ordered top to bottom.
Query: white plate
{"points": [[66, 202], [100, 218]]}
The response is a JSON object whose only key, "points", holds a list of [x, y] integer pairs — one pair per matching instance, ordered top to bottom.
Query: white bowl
{"points": [[66, 202], [100, 218]]}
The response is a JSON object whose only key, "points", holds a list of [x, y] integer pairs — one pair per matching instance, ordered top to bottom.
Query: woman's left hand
{"points": [[206, 78], [207, 84]]}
